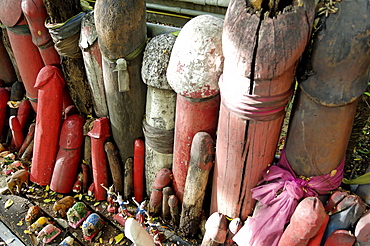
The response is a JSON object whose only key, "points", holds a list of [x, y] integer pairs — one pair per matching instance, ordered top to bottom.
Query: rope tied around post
{"points": [[19, 29], [66, 36], [122, 66], [255, 107], [158, 139], [279, 197]]}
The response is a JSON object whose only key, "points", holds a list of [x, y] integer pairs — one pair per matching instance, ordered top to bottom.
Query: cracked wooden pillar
{"points": [[121, 28], [261, 49], [325, 105], [159, 122]]}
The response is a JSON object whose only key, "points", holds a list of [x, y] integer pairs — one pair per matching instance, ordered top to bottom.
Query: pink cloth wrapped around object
{"points": [[278, 199]]}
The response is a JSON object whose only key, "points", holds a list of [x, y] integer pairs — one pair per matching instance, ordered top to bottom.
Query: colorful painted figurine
{"points": [[16, 181], [111, 195], [122, 206], [60, 207], [141, 211], [32, 213], [123, 213], [77, 214], [38, 225], [91, 226], [48, 233], [156, 235], [68, 241]]}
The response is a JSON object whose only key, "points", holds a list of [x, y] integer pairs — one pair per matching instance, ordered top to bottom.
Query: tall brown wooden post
{"points": [[121, 28], [261, 50], [325, 107]]}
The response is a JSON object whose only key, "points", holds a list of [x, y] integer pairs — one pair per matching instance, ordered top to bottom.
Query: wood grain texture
{"points": [[260, 59]]}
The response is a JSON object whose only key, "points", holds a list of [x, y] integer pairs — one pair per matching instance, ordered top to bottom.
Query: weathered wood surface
{"points": [[121, 28], [340, 56], [93, 64], [73, 68], [261, 71], [193, 72], [126, 109], [159, 122], [321, 122], [318, 135], [27, 154], [86, 156], [202, 156], [115, 166], [128, 179], [173, 203], [166, 213]]}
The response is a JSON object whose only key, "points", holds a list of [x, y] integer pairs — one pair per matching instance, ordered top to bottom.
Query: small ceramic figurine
{"points": [[16, 181], [111, 195], [122, 206], [60, 207], [141, 211], [123, 213], [32, 214], [77, 214], [37, 226], [91, 226], [48, 233], [156, 235], [68, 241]]}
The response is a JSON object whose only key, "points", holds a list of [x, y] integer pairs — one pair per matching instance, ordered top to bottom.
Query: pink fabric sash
{"points": [[278, 199]]}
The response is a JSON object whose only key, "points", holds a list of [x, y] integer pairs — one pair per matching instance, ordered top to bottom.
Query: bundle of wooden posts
{"points": [[190, 121]]}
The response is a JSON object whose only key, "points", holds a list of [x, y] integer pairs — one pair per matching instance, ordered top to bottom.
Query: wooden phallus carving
{"points": [[50, 85]]}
